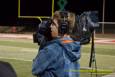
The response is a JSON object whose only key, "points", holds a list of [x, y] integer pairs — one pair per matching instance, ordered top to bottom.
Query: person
{"points": [[60, 56], [6, 70]]}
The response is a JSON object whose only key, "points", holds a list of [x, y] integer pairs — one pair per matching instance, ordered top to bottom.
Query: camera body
{"points": [[63, 23], [86, 23], [83, 28], [43, 32]]}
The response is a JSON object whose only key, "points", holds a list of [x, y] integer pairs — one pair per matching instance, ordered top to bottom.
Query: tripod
{"points": [[92, 62]]}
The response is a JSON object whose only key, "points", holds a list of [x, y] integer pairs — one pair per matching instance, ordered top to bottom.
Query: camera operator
{"points": [[59, 57]]}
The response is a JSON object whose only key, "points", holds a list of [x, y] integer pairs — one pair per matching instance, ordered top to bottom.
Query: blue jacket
{"points": [[58, 59]]}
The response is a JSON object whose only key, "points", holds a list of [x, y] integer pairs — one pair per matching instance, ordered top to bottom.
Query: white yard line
{"points": [[24, 36], [21, 48], [99, 55], [14, 59], [31, 60]]}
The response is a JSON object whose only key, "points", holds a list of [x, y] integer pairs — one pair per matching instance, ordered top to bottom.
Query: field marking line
{"points": [[21, 48], [98, 55], [14, 59]]}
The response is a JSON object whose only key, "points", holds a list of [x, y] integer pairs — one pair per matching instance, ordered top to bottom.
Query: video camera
{"points": [[86, 23], [84, 26], [43, 32]]}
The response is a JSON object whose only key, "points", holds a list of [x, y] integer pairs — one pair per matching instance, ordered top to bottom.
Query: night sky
{"points": [[9, 9]]}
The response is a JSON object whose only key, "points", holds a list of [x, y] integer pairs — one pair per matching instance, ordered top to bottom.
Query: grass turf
{"points": [[20, 54]]}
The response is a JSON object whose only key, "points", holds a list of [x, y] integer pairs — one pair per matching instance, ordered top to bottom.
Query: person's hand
{"points": [[54, 28]]}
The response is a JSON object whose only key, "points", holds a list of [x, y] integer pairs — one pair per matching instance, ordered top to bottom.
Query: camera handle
{"points": [[92, 62]]}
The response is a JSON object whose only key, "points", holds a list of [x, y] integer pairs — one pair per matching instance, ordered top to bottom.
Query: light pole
{"points": [[103, 18]]}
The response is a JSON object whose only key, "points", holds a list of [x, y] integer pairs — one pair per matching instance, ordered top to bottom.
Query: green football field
{"points": [[21, 52]]}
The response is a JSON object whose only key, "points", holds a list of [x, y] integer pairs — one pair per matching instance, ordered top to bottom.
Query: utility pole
{"points": [[103, 18]]}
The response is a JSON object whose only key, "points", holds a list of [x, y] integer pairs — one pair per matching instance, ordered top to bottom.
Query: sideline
{"points": [[18, 36], [30, 36]]}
